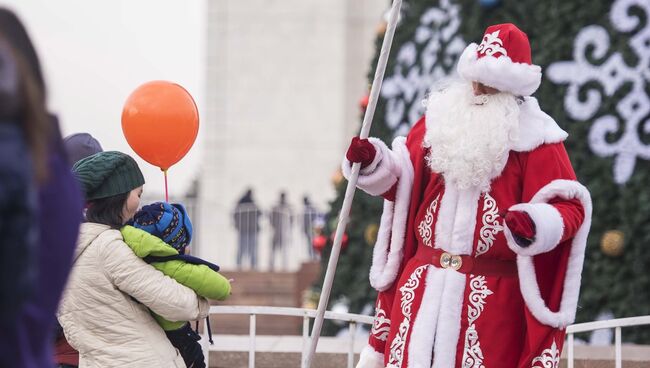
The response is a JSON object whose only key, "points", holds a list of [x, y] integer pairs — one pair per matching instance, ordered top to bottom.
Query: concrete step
{"points": [[261, 285], [275, 289], [265, 325]]}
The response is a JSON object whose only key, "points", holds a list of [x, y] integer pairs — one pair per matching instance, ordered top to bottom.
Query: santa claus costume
{"points": [[459, 286]]}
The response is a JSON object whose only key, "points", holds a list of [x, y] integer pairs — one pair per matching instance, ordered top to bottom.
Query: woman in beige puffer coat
{"points": [[104, 311]]}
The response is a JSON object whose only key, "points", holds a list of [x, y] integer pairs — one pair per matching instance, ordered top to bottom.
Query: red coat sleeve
{"points": [[543, 165], [548, 186], [403, 206], [549, 269]]}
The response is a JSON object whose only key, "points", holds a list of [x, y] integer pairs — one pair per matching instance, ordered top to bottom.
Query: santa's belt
{"points": [[470, 265]]}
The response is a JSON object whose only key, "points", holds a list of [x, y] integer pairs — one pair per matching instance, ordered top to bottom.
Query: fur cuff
{"points": [[501, 73], [382, 173], [566, 189], [549, 228], [388, 253], [370, 358]]}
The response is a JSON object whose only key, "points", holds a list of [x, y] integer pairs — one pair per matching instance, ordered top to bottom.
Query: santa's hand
{"points": [[362, 151], [521, 226]]}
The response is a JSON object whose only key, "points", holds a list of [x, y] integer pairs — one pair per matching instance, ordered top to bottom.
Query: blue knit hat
{"points": [[167, 221]]}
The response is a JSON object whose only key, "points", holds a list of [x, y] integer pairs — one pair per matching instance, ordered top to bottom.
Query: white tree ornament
{"points": [[427, 58], [631, 118]]}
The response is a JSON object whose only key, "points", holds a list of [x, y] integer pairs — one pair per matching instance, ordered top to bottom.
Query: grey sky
{"points": [[95, 53]]}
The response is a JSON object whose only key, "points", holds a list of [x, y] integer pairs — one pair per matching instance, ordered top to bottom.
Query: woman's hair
{"points": [[31, 111], [107, 211]]}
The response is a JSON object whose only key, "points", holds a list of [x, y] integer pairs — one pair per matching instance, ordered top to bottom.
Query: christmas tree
{"points": [[595, 58]]}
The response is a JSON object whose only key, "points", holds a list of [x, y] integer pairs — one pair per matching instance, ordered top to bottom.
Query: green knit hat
{"points": [[107, 174]]}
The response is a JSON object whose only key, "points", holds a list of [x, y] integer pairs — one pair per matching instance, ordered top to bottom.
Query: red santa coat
{"points": [[431, 316]]}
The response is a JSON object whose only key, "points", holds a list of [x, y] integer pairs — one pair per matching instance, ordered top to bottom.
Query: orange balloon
{"points": [[160, 122]]}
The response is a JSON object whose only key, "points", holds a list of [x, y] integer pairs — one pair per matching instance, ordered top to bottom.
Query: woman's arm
{"points": [[158, 292]]}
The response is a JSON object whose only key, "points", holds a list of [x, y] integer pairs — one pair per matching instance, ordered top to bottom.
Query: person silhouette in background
{"points": [[310, 213], [246, 219], [281, 219]]}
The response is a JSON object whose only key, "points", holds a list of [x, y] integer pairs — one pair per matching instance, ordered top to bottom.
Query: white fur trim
{"points": [[501, 73], [536, 127], [381, 151], [378, 177], [566, 189], [446, 217], [456, 220], [549, 228], [462, 238], [380, 251], [388, 252], [442, 301], [440, 312], [424, 326], [448, 328], [370, 358]]}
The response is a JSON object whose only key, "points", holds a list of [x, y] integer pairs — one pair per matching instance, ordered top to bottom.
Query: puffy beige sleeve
{"points": [[160, 293]]}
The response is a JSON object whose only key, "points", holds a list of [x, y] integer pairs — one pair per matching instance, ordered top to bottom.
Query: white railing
{"points": [[278, 239], [306, 314], [354, 319], [616, 324]]}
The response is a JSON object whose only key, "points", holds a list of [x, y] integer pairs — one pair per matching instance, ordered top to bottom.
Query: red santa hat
{"points": [[502, 61]]}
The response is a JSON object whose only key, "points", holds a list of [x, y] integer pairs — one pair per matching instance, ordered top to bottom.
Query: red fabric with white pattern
{"points": [[505, 40]]}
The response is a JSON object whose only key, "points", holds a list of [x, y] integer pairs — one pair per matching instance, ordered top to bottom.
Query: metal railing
{"points": [[273, 239], [306, 314], [355, 319], [616, 324]]}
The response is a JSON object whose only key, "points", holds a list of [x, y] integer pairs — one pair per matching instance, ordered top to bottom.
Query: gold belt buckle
{"points": [[450, 261]]}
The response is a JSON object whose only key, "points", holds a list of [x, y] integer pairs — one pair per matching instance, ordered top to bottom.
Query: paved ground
{"points": [[283, 344], [231, 351], [634, 356]]}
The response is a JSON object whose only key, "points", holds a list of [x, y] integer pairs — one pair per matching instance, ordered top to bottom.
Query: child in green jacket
{"points": [[160, 235]]}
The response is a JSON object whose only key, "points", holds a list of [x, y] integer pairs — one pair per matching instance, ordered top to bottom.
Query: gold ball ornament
{"points": [[381, 28], [337, 177], [370, 234], [612, 243], [310, 299]]}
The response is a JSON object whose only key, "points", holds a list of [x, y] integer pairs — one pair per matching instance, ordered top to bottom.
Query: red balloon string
{"points": [[166, 187]]}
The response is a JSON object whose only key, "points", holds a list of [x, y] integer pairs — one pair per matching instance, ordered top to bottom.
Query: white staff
{"points": [[352, 182]]}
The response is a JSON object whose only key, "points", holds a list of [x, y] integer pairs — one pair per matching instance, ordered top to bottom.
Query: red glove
{"points": [[362, 151], [521, 226]]}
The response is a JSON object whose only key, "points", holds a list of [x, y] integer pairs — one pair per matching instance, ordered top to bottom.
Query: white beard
{"points": [[470, 136]]}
